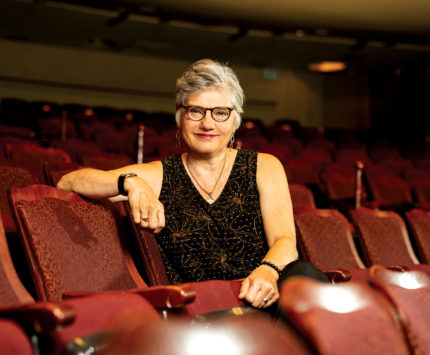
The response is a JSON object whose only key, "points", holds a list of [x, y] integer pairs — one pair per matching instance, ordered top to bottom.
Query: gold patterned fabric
{"points": [[201, 241]]}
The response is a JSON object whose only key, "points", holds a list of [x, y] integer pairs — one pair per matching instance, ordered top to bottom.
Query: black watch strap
{"points": [[121, 180]]}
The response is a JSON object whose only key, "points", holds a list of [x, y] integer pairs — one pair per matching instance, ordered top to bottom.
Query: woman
{"points": [[219, 213]]}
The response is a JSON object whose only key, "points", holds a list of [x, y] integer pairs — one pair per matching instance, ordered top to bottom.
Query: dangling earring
{"points": [[178, 139], [231, 141]]}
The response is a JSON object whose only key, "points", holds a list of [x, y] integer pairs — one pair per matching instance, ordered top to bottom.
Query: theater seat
{"points": [[33, 157], [106, 161], [11, 174], [301, 195], [419, 225], [383, 237], [325, 239], [77, 254], [409, 292], [349, 318], [251, 335], [13, 339]]}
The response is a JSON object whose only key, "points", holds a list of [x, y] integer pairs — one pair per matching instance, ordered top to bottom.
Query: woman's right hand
{"points": [[145, 207]]}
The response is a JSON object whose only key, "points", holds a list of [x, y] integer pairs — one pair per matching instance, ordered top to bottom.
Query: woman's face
{"points": [[207, 136]]}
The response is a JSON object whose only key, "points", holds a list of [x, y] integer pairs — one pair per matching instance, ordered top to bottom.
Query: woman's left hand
{"points": [[260, 288]]}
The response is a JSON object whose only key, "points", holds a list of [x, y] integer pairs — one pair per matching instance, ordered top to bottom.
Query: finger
{"points": [[135, 212], [161, 217], [152, 219], [161, 221], [244, 288], [253, 293], [271, 298]]}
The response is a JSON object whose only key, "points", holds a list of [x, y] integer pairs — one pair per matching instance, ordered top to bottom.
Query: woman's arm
{"points": [[143, 190], [277, 212]]}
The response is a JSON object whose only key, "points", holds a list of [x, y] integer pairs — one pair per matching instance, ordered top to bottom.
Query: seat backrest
{"points": [[77, 147], [35, 157], [106, 161], [54, 172], [300, 172], [11, 174], [339, 185], [421, 187], [390, 189], [301, 195], [419, 225], [383, 237], [325, 239], [72, 244], [150, 253], [12, 290], [409, 292], [348, 318], [247, 335]]}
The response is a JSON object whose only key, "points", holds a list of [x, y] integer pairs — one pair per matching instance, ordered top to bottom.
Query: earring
{"points": [[178, 139], [232, 141]]}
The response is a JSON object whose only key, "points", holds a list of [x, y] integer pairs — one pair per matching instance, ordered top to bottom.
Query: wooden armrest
{"points": [[399, 268], [338, 275], [158, 296], [168, 296], [40, 317]]}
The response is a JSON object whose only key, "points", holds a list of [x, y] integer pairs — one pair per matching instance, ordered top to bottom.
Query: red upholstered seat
{"points": [[77, 148], [34, 157], [106, 161], [299, 171], [54, 172], [11, 174], [340, 183], [421, 188], [389, 192], [301, 195], [419, 225], [383, 237], [325, 239], [73, 244], [409, 292], [348, 318], [249, 335], [13, 339]]}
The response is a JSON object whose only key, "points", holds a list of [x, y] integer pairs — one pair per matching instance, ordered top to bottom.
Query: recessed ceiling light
{"points": [[327, 66]]}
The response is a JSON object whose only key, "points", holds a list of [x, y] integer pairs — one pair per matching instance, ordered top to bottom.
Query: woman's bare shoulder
{"points": [[268, 162]]}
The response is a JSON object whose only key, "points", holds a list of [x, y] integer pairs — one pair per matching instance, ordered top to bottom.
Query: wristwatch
{"points": [[121, 180]]}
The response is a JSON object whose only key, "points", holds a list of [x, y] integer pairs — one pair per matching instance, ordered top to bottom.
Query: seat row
{"points": [[335, 185], [347, 247], [87, 286]]}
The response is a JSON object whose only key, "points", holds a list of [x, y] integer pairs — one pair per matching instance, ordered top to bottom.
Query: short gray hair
{"points": [[205, 74]]}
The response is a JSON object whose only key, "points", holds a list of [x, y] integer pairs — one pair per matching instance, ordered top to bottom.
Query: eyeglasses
{"points": [[219, 114]]}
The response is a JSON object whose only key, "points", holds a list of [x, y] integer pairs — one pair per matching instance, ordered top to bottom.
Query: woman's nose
{"points": [[207, 120]]}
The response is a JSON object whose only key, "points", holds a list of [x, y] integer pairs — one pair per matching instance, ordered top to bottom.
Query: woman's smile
{"points": [[205, 136]]}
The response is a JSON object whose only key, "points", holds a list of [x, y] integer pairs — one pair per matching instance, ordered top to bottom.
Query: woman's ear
{"points": [[178, 117]]}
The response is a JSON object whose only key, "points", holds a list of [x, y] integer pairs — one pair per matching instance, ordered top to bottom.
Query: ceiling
{"points": [[367, 34]]}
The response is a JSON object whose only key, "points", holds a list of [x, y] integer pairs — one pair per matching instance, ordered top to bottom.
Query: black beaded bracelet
{"points": [[273, 266]]}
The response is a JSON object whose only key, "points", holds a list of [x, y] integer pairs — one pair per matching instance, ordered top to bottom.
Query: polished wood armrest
{"points": [[399, 268], [338, 275], [168, 296], [40, 317]]}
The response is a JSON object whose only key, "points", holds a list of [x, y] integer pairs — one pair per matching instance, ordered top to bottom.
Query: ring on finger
{"points": [[145, 219], [265, 300]]}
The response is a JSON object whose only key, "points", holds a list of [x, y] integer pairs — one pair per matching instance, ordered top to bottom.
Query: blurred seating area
{"points": [[78, 276]]}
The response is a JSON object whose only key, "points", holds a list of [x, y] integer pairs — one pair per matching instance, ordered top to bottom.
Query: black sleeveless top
{"points": [[201, 241]]}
